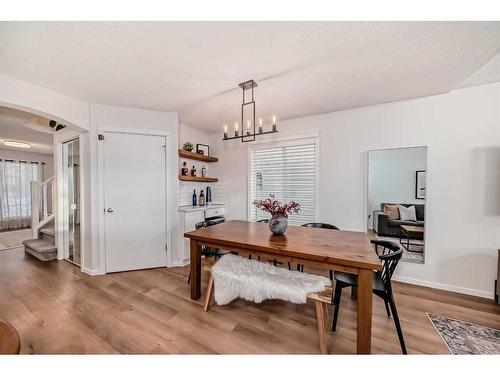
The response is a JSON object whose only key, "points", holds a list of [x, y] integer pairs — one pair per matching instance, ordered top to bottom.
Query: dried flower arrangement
{"points": [[276, 207]]}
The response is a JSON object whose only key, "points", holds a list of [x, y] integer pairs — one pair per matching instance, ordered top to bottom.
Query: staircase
{"points": [[42, 218]]}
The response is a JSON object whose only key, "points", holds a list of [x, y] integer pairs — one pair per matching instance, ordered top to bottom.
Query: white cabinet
{"points": [[220, 211], [190, 218]]}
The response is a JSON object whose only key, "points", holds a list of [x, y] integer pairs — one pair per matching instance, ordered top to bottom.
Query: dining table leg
{"points": [[195, 267], [365, 280]]}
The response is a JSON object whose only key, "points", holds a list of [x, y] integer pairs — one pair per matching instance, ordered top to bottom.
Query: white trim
{"points": [[138, 131], [59, 139], [288, 140], [366, 184], [169, 215], [179, 263], [91, 272], [447, 287]]}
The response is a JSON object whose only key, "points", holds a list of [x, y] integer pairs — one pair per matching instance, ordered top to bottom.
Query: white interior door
{"points": [[134, 201]]}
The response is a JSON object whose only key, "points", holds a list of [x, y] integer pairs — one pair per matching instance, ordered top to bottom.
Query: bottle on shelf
{"points": [[184, 169], [193, 171], [203, 171], [209, 195], [194, 197], [202, 198]]}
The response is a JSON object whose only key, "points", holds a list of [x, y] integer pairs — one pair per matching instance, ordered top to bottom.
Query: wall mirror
{"points": [[396, 198]]}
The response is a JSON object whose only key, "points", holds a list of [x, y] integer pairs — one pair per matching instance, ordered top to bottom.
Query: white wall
{"points": [[40, 101], [102, 117], [87, 120], [462, 132], [190, 134], [195, 136], [48, 159], [391, 176]]}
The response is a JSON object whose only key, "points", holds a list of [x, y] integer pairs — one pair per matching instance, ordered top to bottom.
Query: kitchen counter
{"points": [[201, 208]]}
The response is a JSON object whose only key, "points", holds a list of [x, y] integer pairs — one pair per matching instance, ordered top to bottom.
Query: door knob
{"points": [[109, 210]]}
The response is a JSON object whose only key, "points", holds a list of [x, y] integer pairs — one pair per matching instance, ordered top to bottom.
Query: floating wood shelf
{"points": [[195, 156], [198, 179]]}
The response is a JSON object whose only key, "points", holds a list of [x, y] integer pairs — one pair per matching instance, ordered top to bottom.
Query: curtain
{"points": [[15, 192]]}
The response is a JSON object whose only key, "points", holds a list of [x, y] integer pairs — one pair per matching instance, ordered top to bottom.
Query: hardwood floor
{"points": [[57, 309]]}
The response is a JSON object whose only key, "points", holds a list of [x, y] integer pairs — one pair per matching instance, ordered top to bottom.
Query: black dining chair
{"points": [[205, 250], [389, 253], [300, 267]]}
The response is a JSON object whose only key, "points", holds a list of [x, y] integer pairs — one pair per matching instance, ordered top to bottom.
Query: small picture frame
{"points": [[202, 149], [420, 184]]}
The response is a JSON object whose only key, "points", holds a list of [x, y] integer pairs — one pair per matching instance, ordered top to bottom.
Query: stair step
{"points": [[49, 231], [41, 249]]}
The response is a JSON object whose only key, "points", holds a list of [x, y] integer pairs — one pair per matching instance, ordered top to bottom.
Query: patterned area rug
{"points": [[14, 238], [408, 256], [466, 338]]}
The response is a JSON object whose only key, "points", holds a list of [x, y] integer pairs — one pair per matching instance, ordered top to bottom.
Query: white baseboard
{"points": [[178, 263], [92, 272], [448, 287]]}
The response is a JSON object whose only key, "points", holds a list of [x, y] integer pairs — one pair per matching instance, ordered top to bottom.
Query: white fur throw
{"points": [[235, 276]]}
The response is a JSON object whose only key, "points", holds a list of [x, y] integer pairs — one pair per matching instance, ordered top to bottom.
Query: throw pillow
{"points": [[392, 210], [407, 213]]}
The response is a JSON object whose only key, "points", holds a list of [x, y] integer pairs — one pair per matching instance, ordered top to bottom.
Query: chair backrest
{"points": [[263, 221], [206, 223], [320, 225], [205, 250], [389, 253]]}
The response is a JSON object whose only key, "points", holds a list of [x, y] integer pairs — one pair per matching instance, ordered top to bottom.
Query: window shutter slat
{"points": [[288, 172]]}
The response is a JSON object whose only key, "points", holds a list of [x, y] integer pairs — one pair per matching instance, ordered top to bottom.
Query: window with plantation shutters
{"points": [[287, 171]]}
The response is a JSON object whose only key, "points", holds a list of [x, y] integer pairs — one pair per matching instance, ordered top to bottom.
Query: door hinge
{"points": [[100, 137], [166, 247]]}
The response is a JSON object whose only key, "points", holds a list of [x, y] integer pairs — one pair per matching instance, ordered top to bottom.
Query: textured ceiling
{"points": [[302, 68], [488, 73], [18, 125]]}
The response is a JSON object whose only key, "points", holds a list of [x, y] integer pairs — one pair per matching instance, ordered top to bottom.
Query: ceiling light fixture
{"points": [[248, 118], [17, 144]]}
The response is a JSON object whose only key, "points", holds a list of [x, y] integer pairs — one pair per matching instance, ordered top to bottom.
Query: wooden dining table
{"points": [[338, 250]]}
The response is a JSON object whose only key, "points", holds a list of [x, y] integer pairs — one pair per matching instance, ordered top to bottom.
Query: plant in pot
{"points": [[188, 146], [279, 212]]}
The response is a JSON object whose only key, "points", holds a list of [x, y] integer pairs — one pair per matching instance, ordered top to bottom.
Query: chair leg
{"points": [[289, 266], [331, 274], [189, 278], [208, 293], [354, 293], [336, 302], [387, 307], [320, 319], [397, 323]]}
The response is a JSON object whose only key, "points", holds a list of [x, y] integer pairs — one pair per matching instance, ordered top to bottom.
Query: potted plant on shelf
{"points": [[188, 146], [279, 212]]}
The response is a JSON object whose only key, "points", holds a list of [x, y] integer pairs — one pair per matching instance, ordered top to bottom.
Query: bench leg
{"points": [[208, 293], [320, 318]]}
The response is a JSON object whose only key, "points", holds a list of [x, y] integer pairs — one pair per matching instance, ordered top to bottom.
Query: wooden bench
{"points": [[321, 300]]}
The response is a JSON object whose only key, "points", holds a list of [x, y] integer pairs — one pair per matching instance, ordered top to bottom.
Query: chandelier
{"points": [[248, 117]]}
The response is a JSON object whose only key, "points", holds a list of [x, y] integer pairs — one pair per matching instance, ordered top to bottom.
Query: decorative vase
{"points": [[278, 224]]}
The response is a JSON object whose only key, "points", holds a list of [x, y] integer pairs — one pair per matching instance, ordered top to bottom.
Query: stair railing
{"points": [[42, 200]]}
